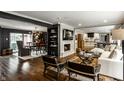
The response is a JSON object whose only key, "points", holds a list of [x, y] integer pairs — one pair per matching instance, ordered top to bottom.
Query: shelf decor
{"points": [[53, 40]]}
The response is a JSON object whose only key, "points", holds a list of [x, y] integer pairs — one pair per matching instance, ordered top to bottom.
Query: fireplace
{"points": [[66, 47]]}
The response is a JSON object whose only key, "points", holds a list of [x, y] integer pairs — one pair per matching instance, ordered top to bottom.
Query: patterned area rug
{"points": [[64, 75], [74, 77]]}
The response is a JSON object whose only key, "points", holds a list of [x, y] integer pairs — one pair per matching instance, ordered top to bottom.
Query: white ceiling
{"points": [[73, 18], [103, 29]]}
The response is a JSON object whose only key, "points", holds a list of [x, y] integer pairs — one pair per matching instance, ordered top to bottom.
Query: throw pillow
{"points": [[97, 50], [117, 55]]}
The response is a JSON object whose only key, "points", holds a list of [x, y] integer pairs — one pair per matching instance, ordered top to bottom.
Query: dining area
{"points": [[34, 43], [36, 48]]}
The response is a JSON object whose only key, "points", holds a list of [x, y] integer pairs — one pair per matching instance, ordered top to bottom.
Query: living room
{"points": [[57, 45]]}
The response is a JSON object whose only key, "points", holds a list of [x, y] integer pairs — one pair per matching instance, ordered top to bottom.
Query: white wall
{"points": [[102, 29], [96, 35], [89, 41], [62, 42]]}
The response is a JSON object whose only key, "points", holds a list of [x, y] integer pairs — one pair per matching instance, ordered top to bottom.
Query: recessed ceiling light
{"points": [[59, 18], [105, 21], [79, 24]]}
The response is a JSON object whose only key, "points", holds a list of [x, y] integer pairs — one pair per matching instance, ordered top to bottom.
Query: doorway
{"points": [[13, 38], [26, 38]]}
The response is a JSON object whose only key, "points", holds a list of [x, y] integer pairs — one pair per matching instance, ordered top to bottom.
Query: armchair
{"points": [[21, 50], [50, 61], [82, 69]]}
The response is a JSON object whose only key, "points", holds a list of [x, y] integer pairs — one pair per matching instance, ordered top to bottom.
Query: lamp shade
{"points": [[118, 34]]}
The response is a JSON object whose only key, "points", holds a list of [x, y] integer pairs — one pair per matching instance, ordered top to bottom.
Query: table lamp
{"points": [[118, 34]]}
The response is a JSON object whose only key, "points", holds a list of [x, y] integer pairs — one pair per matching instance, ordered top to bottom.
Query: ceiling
{"points": [[74, 18], [102, 29]]}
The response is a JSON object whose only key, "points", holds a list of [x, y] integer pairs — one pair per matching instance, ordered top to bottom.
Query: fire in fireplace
{"points": [[66, 47]]}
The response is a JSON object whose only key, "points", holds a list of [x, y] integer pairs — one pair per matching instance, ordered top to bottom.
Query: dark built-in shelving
{"points": [[53, 40]]}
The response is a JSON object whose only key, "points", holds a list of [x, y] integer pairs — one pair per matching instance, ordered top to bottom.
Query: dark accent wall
{"points": [[5, 33], [5, 37], [4, 40]]}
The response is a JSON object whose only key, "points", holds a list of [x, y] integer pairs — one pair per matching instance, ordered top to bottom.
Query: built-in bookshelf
{"points": [[53, 40]]}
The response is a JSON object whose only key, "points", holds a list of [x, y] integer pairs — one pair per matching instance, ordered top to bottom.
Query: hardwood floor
{"points": [[30, 71]]}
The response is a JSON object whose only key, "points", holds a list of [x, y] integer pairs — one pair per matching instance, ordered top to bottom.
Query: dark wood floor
{"points": [[30, 71]]}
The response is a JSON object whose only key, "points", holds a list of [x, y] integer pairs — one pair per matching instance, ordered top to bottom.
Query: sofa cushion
{"points": [[112, 47], [107, 48], [97, 50], [105, 54], [112, 54], [117, 54]]}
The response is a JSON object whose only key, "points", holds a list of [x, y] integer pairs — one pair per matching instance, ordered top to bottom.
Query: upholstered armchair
{"points": [[21, 50], [50, 61], [83, 69]]}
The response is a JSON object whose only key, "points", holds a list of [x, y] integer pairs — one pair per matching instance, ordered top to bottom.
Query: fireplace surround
{"points": [[67, 47]]}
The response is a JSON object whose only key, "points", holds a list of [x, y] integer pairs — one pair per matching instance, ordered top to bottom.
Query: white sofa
{"points": [[112, 67]]}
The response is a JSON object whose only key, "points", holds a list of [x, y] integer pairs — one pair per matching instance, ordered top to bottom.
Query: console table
{"points": [[7, 52]]}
